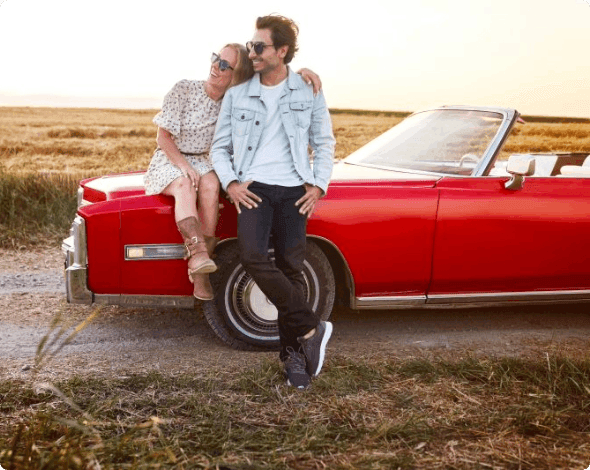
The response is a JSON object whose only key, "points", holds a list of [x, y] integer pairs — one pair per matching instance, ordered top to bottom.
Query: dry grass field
{"points": [[88, 142]]}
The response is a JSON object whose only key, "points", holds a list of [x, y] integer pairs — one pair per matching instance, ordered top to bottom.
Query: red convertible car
{"points": [[425, 215]]}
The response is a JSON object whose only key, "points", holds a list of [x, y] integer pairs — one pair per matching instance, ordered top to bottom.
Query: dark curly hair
{"points": [[283, 31]]}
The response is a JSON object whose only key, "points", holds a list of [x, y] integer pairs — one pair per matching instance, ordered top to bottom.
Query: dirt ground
{"points": [[122, 341]]}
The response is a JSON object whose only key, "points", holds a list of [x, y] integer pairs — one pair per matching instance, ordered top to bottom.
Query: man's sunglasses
{"points": [[257, 46], [223, 64]]}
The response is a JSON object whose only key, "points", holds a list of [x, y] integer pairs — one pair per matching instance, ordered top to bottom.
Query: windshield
{"points": [[448, 141]]}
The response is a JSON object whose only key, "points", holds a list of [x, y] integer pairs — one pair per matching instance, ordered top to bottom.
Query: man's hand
{"points": [[240, 194], [307, 203]]}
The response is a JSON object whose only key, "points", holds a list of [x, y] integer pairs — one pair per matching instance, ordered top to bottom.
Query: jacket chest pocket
{"points": [[301, 112], [241, 121]]}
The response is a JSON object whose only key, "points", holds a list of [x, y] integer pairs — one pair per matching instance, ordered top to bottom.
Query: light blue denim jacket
{"points": [[241, 120]]}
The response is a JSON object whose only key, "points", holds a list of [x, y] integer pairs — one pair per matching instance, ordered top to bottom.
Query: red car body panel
{"points": [[148, 220], [359, 227], [384, 231], [396, 237], [103, 238], [490, 239]]}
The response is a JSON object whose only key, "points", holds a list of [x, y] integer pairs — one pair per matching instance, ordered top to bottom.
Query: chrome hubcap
{"points": [[257, 304], [253, 313]]}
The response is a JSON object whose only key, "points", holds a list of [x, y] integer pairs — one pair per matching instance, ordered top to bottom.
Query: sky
{"points": [[392, 55]]}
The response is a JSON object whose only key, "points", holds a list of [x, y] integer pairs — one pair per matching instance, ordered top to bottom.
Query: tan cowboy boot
{"points": [[194, 240], [203, 290]]}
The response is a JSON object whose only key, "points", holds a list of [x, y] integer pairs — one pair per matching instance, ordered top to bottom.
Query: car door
{"points": [[384, 231], [493, 240]]}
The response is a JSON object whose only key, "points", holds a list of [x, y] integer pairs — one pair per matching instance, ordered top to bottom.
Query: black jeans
{"points": [[281, 281]]}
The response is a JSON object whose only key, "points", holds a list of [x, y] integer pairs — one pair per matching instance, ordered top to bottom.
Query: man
{"points": [[260, 153]]}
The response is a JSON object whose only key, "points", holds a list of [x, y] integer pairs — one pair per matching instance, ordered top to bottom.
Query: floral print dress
{"points": [[190, 116]]}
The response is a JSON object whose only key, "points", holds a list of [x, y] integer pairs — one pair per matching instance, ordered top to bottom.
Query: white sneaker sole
{"points": [[325, 339]]}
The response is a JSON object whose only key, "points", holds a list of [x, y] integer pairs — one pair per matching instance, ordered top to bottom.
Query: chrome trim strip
{"points": [[508, 118], [80, 197], [67, 248], [170, 251], [76, 272], [493, 297], [486, 299], [124, 300], [399, 301]]}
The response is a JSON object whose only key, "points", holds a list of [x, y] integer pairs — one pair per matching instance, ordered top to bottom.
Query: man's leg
{"points": [[254, 228], [289, 235], [300, 327]]}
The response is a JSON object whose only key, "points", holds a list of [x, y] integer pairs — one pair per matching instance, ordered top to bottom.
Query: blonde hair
{"points": [[243, 70]]}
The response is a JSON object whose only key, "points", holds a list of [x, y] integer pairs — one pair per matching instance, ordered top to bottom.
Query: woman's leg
{"points": [[185, 198], [209, 202], [187, 220]]}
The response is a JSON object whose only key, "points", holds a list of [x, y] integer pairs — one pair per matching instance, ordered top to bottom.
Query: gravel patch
{"points": [[42, 281], [123, 340]]}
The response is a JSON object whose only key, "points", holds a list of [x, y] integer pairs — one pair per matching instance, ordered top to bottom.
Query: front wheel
{"points": [[241, 315]]}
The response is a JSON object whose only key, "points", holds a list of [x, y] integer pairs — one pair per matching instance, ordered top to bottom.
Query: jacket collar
{"points": [[255, 87]]}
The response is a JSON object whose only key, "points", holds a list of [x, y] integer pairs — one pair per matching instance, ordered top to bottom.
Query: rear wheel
{"points": [[241, 315]]}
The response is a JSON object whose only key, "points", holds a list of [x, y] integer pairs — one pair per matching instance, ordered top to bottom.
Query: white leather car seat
{"points": [[544, 164], [499, 168], [575, 171]]}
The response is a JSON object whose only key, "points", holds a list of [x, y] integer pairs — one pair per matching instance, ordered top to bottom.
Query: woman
{"points": [[180, 166]]}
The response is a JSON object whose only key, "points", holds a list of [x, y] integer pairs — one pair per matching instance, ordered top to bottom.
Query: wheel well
{"points": [[223, 244], [340, 269], [342, 275]]}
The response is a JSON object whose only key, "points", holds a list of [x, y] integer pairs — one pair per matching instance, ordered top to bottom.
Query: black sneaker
{"points": [[314, 348], [295, 369]]}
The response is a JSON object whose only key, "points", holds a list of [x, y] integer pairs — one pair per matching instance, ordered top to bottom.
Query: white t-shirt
{"points": [[273, 162]]}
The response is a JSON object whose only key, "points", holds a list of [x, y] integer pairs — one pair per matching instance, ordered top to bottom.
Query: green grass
{"points": [[37, 209], [359, 414]]}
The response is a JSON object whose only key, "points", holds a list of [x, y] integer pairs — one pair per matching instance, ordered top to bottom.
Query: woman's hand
{"points": [[311, 78], [167, 145], [190, 173]]}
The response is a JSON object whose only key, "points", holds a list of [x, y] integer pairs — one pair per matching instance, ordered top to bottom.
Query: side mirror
{"points": [[519, 166]]}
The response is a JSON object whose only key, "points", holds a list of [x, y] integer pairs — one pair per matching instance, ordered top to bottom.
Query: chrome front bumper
{"points": [[76, 268]]}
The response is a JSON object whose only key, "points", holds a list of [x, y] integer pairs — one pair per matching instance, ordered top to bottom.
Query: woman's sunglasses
{"points": [[257, 46], [223, 64]]}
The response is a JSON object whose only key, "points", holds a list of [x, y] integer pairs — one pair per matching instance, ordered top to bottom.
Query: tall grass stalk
{"points": [[35, 208]]}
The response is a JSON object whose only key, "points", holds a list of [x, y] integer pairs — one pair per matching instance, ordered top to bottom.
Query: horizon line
{"points": [[154, 104]]}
